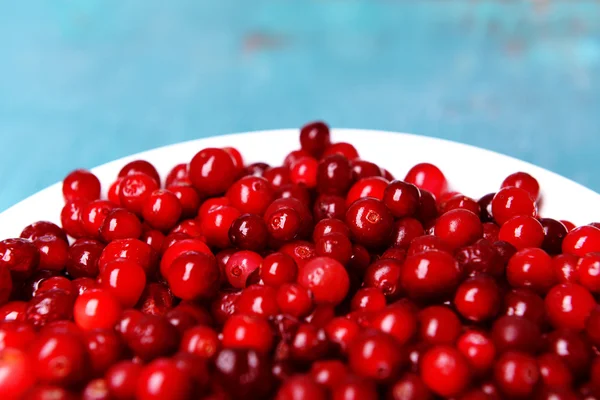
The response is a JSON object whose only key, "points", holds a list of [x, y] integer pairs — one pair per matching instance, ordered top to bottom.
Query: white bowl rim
{"points": [[580, 207]]}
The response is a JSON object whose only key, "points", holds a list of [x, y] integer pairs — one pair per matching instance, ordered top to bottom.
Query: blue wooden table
{"points": [[84, 82]]}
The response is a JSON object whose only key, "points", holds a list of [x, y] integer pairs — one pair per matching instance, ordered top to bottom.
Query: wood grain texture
{"points": [[84, 82]]}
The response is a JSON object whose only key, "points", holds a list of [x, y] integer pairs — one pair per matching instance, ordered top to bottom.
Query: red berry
{"points": [[314, 138], [343, 148], [140, 167], [212, 171], [178, 174], [334, 175], [277, 176], [429, 177], [524, 181], [81, 185], [374, 186], [134, 191], [251, 194], [188, 197], [402, 198], [510, 202], [161, 209], [93, 215], [71, 218], [370, 222], [120, 224], [215, 225], [42, 228], [458, 228], [522, 231], [249, 232], [554, 234], [582, 240], [334, 245], [177, 249], [133, 250], [84, 255], [20, 257], [241, 266], [531, 268], [565, 268], [277, 269], [588, 269], [431, 273], [384, 274], [193, 275], [326, 278], [125, 280], [478, 298], [294, 299], [368, 299], [258, 300], [525, 303], [53, 305], [568, 305], [96, 309], [438, 325], [249, 332], [515, 333], [202, 341], [104, 348], [478, 349], [375, 355], [59, 359], [445, 371], [554, 372], [243, 373], [516, 374], [16, 375], [121, 379], [162, 379], [300, 387], [409, 387]]}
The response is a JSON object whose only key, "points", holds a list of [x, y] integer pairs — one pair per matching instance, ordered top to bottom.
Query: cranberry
{"points": [[314, 138], [343, 148], [236, 156], [140, 167], [256, 169], [364, 169], [212, 171], [304, 171], [178, 173], [334, 175], [277, 176], [429, 177], [524, 181], [81, 185], [374, 187], [135, 190], [290, 190], [113, 192], [251, 194], [188, 197], [402, 198], [459, 201], [510, 202], [329, 206], [161, 209], [427, 211], [70, 218], [370, 222], [284, 223], [120, 224], [329, 225], [215, 226], [42, 228], [458, 228], [405, 230], [491, 231], [522, 231], [249, 232], [554, 233], [154, 239], [582, 240], [427, 242], [336, 246], [178, 248], [133, 250], [20, 257], [84, 257], [241, 266], [532, 268], [565, 268], [277, 269], [588, 269], [431, 273], [384, 274], [193, 275], [326, 278], [125, 279], [55, 282], [6, 285], [478, 298], [156, 299], [368, 299], [258, 300], [294, 300], [525, 303], [53, 305], [568, 305], [224, 306], [96, 309], [13, 311], [398, 320], [438, 325], [245, 331], [511, 332], [16, 334], [151, 337], [201, 341], [308, 343], [572, 348], [104, 349], [478, 349], [375, 355], [59, 359], [197, 368], [445, 371], [554, 372], [243, 373], [516, 374], [16, 375], [121, 379], [162, 379], [409, 387], [355, 388], [96, 389]]}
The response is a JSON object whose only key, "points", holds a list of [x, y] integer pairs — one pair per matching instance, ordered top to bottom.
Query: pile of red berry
{"points": [[321, 278]]}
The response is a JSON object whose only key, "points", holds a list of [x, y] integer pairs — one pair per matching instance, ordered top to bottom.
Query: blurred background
{"points": [[84, 82]]}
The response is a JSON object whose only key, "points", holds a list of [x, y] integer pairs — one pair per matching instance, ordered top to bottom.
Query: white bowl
{"points": [[469, 170]]}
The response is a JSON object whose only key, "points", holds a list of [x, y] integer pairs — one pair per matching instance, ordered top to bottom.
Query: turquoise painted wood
{"points": [[84, 82]]}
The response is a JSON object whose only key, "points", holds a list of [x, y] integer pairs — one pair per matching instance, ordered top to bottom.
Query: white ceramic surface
{"points": [[470, 170]]}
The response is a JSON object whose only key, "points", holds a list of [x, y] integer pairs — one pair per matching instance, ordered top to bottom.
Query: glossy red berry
{"points": [[314, 138], [343, 148], [140, 167], [212, 171], [304, 172], [334, 175], [429, 177], [524, 181], [81, 185], [374, 187], [134, 191], [251, 194], [510, 202], [161, 209], [93, 215], [71, 216], [370, 222], [120, 224], [215, 225], [42, 228], [459, 228], [522, 231], [554, 234], [582, 240], [335, 245], [178, 248], [20, 257], [241, 266], [531, 268], [565, 268], [277, 269], [588, 269], [431, 273], [384, 274], [193, 275], [326, 278], [125, 280], [478, 298], [368, 299], [258, 300], [294, 300], [525, 303], [53, 305], [568, 305], [96, 309], [398, 320], [438, 325], [247, 332], [511, 332], [200, 340], [104, 348], [573, 348], [479, 350], [375, 355], [59, 359], [445, 371], [554, 373], [516, 374], [16, 375], [121, 379], [162, 379], [301, 387]]}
